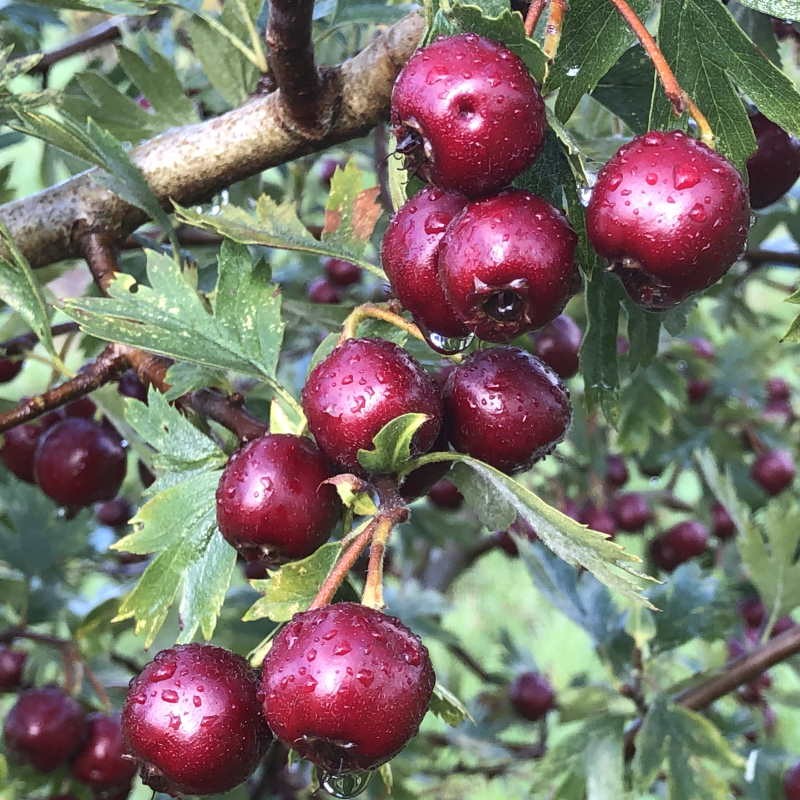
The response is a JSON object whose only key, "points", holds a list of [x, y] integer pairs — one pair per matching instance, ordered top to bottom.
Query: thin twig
{"points": [[532, 17], [555, 24], [100, 34], [758, 258], [27, 341], [472, 664]]}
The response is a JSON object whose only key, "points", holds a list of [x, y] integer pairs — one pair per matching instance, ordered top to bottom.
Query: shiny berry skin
{"points": [[467, 115], [775, 165], [670, 214], [410, 252], [507, 265], [342, 273], [321, 290], [558, 344], [9, 369], [129, 385], [360, 387], [697, 389], [778, 389], [82, 407], [504, 407], [19, 449], [78, 463], [616, 471], [774, 471], [444, 494], [271, 498], [632, 511], [114, 513], [598, 519], [722, 525], [679, 544], [753, 612], [12, 664], [346, 686], [532, 696], [193, 720], [44, 728], [100, 763], [791, 783]]}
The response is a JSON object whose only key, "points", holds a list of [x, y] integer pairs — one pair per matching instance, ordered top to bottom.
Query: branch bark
{"points": [[191, 163]]}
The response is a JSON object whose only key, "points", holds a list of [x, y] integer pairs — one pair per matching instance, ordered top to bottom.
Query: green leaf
{"points": [[781, 9], [593, 39], [627, 89], [20, 289], [644, 329], [793, 334], [392, 444], [291, 589], [447, 707], [605, 767]]}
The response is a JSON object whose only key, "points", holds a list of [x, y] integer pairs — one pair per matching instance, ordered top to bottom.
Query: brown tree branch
{"points": [[532, 17], [98, 35], [191, 163], [759, 258], [27, 341]]}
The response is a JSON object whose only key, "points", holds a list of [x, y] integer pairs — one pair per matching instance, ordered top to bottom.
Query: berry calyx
{"points": [[467, 115], [775, 165], [670, 214], [410, 252], [507, 265], [342, 273], [321, 290], [558, 344], [9, 369], [360, 387], [504, 407], [78, 462], [616, 471], [774, 471], [444, 494], [271, 499], [632, 511], [114, 513], [722, 524], [679, 544], [12, 664], [346, 686], [532, 696], [193, 720], [44, 728], [100, 762]]}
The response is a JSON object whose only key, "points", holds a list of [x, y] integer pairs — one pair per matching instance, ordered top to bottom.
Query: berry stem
{"points": [[532, 17], [552, 31], [672, 89], [375, 311], [373, 586]]}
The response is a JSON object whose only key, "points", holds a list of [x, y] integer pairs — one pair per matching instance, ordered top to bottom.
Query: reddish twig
{"points": [[532, 17], [555, 24], [100, 34], [759, 258]]}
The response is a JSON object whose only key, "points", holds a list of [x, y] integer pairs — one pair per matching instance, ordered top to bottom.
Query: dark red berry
{"points": [[467, 115], [775, 165], [671, 215], [410, 252], [507, 265], [342, 273], [321, 290], [558, 344], [702, 348], [9, 369], [130, 386], [360, 387], [697, 389], [778, 389], [82, 407], [504, 407], [779, 412], [19, 449], [78, 463], [616, 471], [774, 471], [422, 479], [444, 494], [271, 498], [632, 511], [114, 513], [598, 519], [722, 525], [505, 541], [679, 544], [753, 612], [12, 664], [346, 686], [752, 693], [532, 695], [192, 719], [44, 728], [100, 763], [791, 783]]}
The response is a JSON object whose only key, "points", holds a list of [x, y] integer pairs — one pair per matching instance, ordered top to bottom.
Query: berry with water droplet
{"points": [[467, 114], [775, 165], [677, 236], [409, 254], [507, 265], [341, 272], [321, 290], [558, 344], [360, 387], [504, 407], [78, 462], [774, 471], [271, 498], [632, 511], [679, 544], [12, 664], [532, 695], [359, 700], [192, 719], [44, 728], [100, 762]]}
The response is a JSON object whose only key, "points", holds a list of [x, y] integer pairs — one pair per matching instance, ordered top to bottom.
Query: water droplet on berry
{"points": [[685, 176], [698, 213], [169, 696], [344, 786]]}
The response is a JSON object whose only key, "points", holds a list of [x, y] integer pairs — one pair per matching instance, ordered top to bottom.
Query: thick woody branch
{"points": [[98, 35], [190, 164]]}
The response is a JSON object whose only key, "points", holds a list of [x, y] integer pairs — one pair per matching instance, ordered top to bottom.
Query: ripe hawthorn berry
{"points": [[467, 114], [775, 165], [670, 214], [410, 252], [507, 265], [342, 273], [321, 290], [558, 344], [9, 369], [129, 385], [360, 387], [697, 389], [778, 389], [504, 407], [19, 449], [78, 462], [616, 471], [774, 471], [422, 479], [444, 494], [271, 498], [632, 511], [114, 513], [598, 519], [722, 524], [505, 541], [679, 544], [752, 611], [12, 664], [346, 686], [532, 696], [192, 719], [44, 728], [100, 763]]}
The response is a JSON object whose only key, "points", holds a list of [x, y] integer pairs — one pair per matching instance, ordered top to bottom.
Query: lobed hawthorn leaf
{"points": [[392, 444], [447, 707]]}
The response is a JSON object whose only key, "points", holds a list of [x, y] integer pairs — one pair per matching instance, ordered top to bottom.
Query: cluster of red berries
{"points": [[339, 275]]}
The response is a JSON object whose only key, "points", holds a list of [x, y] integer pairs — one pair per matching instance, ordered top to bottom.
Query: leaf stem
{"points": [[552, 30], [375, 311]]}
